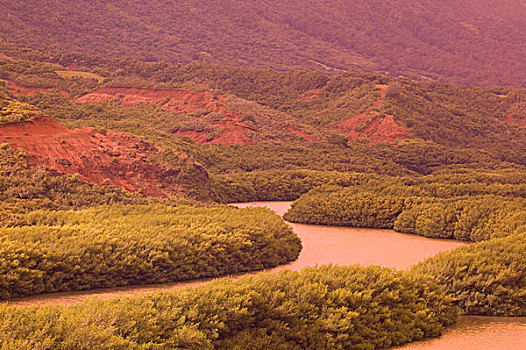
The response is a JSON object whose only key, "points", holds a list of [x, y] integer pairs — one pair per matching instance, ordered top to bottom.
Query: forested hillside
{"points": [[468, 42], [240, 119]]}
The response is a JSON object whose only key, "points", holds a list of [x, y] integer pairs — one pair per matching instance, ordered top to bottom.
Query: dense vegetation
{"points": [[472, 42], [448, 125], [456, 172], [24, 189], [470, 207], [108, 246], [487, 278], [318, 308]]}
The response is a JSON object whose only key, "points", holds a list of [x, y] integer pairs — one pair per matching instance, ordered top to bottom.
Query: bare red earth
{"points": [[17, 89], [310, 95], [510, 120], [370, 124], [230, 129], [302, 134], [97, 157]]}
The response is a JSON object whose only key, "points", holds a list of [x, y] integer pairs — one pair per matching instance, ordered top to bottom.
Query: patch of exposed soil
{"points": [[17, 89], [311, 95], [510, 120], [374, 127], [228, 128], [377, 128], [302, 134], [97, 157]]}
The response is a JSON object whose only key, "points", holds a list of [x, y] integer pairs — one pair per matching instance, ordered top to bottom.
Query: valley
{"points": [[282, 175]]}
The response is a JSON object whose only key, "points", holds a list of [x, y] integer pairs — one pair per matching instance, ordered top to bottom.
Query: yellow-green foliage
{"points": [[79, 74], [13, 111], [272, 185], [283, 185], [23, 189], [464, 205], [463, 218], [50, 251], [486, 278], [318, 308]]}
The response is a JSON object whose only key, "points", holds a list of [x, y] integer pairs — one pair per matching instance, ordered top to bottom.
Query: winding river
{"points": [[346, 246]]}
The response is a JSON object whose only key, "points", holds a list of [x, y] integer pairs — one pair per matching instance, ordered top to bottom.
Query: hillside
{"points": [[468, 42], [243, 119]]}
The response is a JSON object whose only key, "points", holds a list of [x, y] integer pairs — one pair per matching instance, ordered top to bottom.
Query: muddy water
{"points": [[346, 246]]}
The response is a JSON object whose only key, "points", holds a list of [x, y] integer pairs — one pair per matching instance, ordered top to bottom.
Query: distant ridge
{"points": [[473, 42]]}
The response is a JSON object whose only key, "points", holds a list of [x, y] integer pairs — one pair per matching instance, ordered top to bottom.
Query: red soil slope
{"points": [[17, 89], [310, 95], [510, 120], [371, 125], [231, 130], [302, 134], [98, 157]]}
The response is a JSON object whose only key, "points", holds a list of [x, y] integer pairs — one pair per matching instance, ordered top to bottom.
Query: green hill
{"points": [[469, 42]]}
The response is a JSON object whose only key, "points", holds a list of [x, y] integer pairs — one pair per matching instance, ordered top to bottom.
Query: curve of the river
{"points": [[346, 246]]}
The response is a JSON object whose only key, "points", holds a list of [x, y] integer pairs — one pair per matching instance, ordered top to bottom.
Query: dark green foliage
{"points": [[50, 251], [487, 278], [318, 308]]}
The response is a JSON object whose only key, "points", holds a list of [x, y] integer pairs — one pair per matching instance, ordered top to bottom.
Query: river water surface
{"points": [[347, 246]]}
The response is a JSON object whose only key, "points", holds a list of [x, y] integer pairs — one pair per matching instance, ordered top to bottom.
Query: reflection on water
{"points": [[346, 246]]}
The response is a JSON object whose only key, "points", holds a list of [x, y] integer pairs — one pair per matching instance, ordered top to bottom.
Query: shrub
{"points": [[109, 246], [318, 308]]}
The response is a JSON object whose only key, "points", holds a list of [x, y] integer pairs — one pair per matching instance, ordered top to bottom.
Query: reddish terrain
{"points": [[17, 89], [310, 95], [510, 120], [372, 125], [228, 127], [302, 134], [98, 157]]}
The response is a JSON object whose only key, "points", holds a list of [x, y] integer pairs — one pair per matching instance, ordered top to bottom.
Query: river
{"points": [[346, 246]]}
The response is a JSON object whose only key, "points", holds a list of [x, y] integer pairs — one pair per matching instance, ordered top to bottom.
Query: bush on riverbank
{"points": [[286, 185], [473, 218], [51, 251], [487, 278], [318, 308]]}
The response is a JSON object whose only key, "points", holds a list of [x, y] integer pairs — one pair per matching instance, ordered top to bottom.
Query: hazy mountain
{"points": [[468, 42]]}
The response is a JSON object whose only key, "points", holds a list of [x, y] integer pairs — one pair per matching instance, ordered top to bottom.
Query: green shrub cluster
{"points": [[12, 111], [276, 185], [282, 185], [23, 189], [463, 218], [50, 251], [486, 278], [318, 308]]}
